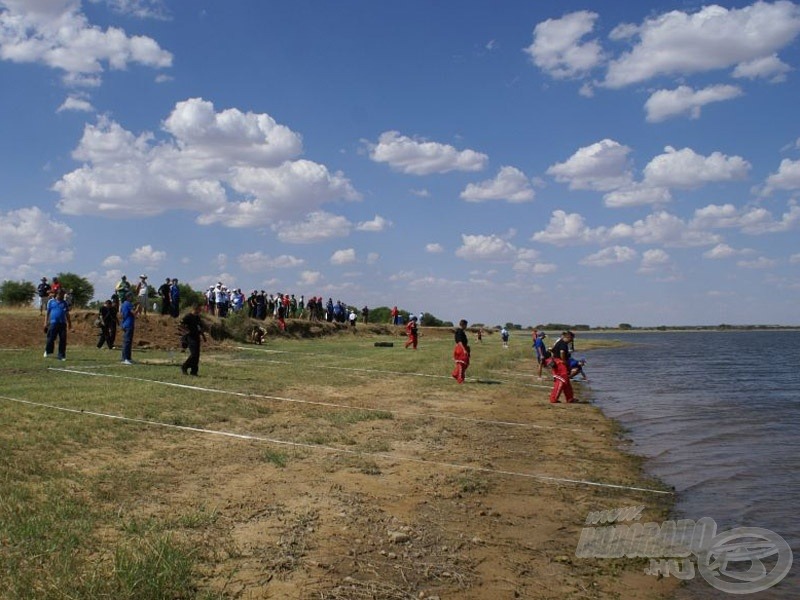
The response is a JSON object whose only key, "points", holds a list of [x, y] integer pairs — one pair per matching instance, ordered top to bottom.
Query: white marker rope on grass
{"points": [[316, 402], [331, 449]]}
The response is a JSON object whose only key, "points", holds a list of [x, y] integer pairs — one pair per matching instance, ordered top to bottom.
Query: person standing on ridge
{"points": [[142, 289], [43, 293], [163, 293], [174, 299]]}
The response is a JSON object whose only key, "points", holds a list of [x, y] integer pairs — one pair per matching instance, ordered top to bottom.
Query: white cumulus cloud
{"points": [[56, 34], [714, 37], [559, 47], [767, 67], [684, 100], [76, 104], [421, 157], [601, 166], [230, 167], [686, 169], [787, 177], [510, 184], [376, 225], [317, 227], [568, 228], [30, 237], [486, 247], [719, 252], [147, 255], [610, 256], [343, 257], [255, 262]]}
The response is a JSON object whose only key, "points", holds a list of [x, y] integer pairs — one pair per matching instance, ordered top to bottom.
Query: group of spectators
{"points": [[121, 310]]}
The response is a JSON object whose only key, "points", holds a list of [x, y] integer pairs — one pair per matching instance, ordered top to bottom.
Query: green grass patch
{"points": [[351, 417], [276, 457]]}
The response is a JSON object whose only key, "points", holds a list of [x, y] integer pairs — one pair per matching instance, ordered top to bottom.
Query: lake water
{"points": [[717, 414]]}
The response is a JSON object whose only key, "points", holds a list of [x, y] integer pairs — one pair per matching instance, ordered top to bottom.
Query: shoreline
{"points": [[435, 493]]}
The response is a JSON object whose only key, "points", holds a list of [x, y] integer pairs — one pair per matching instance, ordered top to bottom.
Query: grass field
{"points": [[324, 468]]}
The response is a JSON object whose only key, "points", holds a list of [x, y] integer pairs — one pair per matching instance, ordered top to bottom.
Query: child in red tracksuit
{"points": [[411, 330], [461, 352], [560, 366]]}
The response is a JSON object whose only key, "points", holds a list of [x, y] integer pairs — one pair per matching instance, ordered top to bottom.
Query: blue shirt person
{"points": [[174, 299], [128, 312], [56, 322]]}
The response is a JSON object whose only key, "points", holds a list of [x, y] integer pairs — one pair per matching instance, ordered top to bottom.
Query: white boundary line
{"points": [[315, 402], [331, 449]]}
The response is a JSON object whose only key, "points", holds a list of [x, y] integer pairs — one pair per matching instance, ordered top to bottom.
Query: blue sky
{"points": [[579, 162]]}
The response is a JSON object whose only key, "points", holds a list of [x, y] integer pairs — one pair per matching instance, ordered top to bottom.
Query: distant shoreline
{"points": [[693, 329]]}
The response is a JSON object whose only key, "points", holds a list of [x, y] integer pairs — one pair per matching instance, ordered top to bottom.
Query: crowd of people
{"points": [[129, 301]]}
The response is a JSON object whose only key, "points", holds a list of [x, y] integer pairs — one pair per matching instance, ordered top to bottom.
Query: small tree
{"points": [[82, 290], [17, 293], [188, 296], [381, 314], [428, 320]]}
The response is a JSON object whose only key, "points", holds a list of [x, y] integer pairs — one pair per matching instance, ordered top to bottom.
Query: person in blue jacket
{"points": [[128, 311], [56, 322], [576, 368]]}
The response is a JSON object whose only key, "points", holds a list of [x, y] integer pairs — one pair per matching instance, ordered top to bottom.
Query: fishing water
{"points": [[717, 416]]}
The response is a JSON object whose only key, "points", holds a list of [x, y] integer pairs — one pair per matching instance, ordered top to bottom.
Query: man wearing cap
{"points": [[141, 292], [43, 293], [541, 351], [576, 368]]}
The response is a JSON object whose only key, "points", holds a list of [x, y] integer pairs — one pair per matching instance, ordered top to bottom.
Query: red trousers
{"points": [[461, 357], [561, 382]]}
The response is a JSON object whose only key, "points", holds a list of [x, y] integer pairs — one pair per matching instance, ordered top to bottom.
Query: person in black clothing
{"points": [[163, 293], [108, 325], [193, 325], [461, 352], [560, 365]]}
